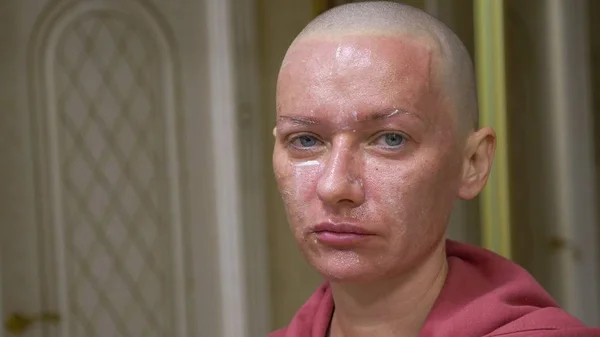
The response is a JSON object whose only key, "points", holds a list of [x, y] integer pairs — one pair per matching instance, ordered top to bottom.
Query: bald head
{"points": [[451, 67], [376, 110]]}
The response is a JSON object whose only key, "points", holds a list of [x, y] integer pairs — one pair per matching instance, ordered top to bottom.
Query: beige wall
{"points": [[595, 60], [552, 236], [292, 279]]}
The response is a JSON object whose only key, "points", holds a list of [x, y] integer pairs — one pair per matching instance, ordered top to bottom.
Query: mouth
{"points": [[340, 235]]}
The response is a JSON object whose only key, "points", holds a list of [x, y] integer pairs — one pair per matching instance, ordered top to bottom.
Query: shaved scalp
{"points": [[452, 67]]}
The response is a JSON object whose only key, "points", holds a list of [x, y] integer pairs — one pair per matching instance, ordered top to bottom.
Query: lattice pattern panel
{"points": [[107, 80]]}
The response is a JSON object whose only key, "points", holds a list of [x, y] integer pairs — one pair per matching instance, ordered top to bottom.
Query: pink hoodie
{"points": [[484, 295]]}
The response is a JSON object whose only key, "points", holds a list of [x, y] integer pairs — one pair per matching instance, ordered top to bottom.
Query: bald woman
{"points": [[376, 138]]}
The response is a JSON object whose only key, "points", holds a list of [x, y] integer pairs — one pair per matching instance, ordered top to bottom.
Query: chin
{"points": [[345, 266]]}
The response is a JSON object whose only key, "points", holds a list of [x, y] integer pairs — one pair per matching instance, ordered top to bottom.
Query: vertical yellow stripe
{"points": [[489, 38]]}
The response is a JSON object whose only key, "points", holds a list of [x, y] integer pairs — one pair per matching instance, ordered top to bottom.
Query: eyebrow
{"points": [[379, 115], [376, 116], [303, 121]]}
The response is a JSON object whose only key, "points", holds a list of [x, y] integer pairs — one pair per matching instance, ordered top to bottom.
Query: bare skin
{"points": [[365, 139]]}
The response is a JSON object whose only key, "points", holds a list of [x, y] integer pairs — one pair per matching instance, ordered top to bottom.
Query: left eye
{"points": [[392, 139]]}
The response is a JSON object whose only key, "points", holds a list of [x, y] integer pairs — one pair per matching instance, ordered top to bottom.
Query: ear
{"points": [[275, 132], [477, 162]]}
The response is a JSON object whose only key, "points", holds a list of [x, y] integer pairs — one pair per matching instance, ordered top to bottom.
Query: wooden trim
{"points": [[489, 37]]}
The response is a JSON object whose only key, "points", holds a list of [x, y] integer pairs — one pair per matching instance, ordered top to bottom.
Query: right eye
{"points": [[305, 142]]}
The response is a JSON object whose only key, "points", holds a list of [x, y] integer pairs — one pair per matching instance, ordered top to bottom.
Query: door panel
{"points": [[97, 135]]}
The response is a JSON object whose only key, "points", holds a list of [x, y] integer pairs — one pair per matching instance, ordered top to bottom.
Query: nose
{"points": [[340, 183]]}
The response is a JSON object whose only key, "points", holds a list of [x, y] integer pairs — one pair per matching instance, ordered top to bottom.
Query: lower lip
{"points": [[340, 239]]}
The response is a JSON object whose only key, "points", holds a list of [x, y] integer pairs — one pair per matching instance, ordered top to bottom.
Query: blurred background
{"points": [[136, 190]]}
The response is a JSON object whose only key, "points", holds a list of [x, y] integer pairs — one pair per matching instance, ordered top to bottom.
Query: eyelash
{"points": [[298, 137], [294, 138], [404, 139]]}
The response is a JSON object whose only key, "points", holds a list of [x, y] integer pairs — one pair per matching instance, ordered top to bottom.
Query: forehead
{"points": [[393, 49], [357, 69]]}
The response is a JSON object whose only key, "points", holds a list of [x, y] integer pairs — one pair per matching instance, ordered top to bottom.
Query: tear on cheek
{"points": [[308, 163]]}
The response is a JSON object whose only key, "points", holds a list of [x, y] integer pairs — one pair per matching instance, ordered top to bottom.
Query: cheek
{"points": [[305, 177], [387, 179], [297, 180], [297, 183], [390, 186], [406, 191]]}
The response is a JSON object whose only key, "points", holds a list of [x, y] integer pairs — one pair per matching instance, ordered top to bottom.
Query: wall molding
{"points": [[250, 114], [235, 117]]}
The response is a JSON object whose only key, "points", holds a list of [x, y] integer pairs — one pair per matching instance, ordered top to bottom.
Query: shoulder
{"points": [[488, 295], [546, 322], [574, 332]]}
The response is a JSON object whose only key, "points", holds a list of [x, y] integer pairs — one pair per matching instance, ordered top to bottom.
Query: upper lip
{"points": [[342, 228]]}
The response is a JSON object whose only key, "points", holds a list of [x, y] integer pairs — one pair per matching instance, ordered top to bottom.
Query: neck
{"points": [[396, 306]]}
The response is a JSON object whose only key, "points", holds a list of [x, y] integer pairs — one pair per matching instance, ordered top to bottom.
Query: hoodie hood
{"points": [[484, 295]]}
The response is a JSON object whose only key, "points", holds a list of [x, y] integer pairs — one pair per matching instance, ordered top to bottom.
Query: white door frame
{"points": [[237, 140]]}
